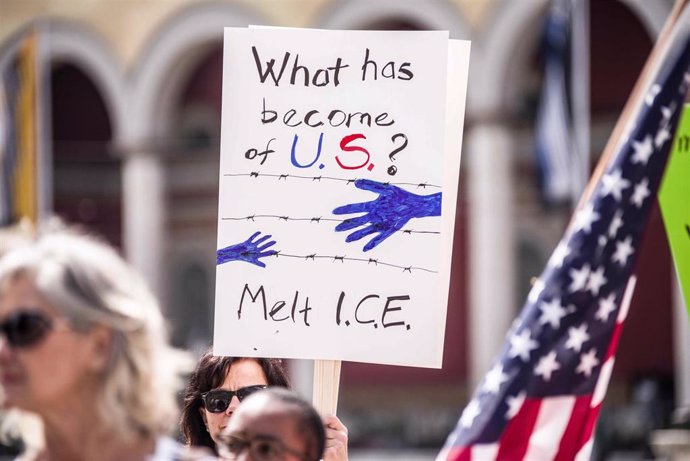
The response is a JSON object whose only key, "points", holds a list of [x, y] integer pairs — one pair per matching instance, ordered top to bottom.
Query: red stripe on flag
{"points": [[621, 316], [615, 337], [590, 424], [515, 439], [572, 439], [459, 454]]}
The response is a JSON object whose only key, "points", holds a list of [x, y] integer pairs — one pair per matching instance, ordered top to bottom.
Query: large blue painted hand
{"points": [[388, 213], [251, 250]]}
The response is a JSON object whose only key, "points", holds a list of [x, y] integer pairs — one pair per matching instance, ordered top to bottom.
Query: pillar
{"points": [[143, 215], [491, 244]]}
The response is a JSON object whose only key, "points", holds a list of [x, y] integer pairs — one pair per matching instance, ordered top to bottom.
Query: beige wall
{"points": [[127, 25]]}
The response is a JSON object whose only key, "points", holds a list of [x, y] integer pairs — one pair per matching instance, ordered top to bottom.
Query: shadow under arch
{"points": [[432, 15], [173, 52], [87, 184]]}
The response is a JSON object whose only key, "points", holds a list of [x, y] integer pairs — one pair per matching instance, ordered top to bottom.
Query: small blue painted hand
{"points": [[388, 213], [250, 251]]}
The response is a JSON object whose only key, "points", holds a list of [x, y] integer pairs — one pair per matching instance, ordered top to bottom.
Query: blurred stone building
{"points": [[130, 104]]}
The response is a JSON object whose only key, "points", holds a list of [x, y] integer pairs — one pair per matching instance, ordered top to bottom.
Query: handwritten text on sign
{"points": [[277, 72], [330, 195]]}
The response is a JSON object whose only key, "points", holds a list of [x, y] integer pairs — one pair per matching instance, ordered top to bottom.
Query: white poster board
{"points": [[336, 162]]}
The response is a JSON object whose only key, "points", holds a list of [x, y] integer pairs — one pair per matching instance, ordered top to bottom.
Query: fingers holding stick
{"points": [[336, 439]]}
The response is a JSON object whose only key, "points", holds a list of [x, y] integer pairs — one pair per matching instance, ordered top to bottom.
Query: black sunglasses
{"points": [[25, 328], [218, 400]]}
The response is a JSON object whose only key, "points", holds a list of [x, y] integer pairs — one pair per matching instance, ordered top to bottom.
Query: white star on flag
{"points": [[653, 92], [662, 136], [643, 150], [614, 184], [640, 193], [585, 218], [616, 224], [623, 250], [559, 254], [579, 277], [596, 281], [606, 306], [552, 313], [577, 337], [521, 345], [587, 363], [547, 365], [494, 378], [514, 404], [468, 416]]}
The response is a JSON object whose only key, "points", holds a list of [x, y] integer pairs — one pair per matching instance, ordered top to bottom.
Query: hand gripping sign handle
{"points": [[326, 386]]}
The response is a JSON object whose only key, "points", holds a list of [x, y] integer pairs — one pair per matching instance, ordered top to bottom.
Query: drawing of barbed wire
{"points": [[256, 174], [386, 214], [313, 219], [256, 247], [343, 259]]}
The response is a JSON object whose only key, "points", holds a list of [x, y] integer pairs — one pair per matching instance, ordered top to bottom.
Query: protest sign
{"points": [[337, 194], [674, 199]]}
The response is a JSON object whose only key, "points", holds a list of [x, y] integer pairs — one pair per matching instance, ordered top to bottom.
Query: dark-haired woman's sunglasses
{"points": [[25, 328], [218, 400]]}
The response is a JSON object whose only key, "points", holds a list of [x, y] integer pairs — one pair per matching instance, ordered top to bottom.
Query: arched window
{"points": [[87, 179]]}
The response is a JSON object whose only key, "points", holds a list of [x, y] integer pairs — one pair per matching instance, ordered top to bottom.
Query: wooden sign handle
{"points": [[326, 386]]}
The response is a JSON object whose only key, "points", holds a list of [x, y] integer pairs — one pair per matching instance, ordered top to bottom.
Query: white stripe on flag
{"points": [[627, 298], [602, 382], [554, 415], [484, 452], [585, 452], [443, 454]]}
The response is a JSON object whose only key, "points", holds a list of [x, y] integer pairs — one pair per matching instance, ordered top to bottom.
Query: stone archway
{"points": [[435, 15], [72, 58], [156, 81]]}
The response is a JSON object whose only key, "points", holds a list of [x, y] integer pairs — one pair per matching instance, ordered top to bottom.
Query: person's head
{"points": [[81, 332], [215, 389], [274, 425]]}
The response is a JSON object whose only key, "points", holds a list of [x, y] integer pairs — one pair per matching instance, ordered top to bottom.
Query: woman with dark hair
{"points": [[219, 384], [215, 389]]}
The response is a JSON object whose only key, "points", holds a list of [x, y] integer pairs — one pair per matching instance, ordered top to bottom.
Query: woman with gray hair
{"points": [[82, 345]]}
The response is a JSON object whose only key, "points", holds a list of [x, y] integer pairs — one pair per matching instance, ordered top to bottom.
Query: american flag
{"points": [[554, 143], [542, 396]]}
